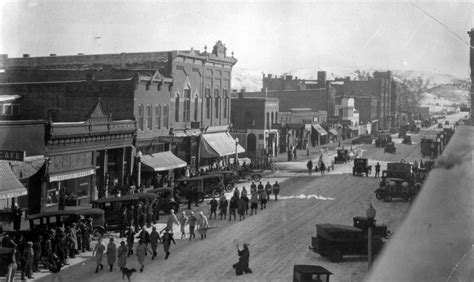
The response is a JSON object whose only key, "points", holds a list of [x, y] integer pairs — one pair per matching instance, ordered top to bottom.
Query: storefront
{"points": [[318, 135], [333, 135], [217, 145], [158, 168], [10, 186]]}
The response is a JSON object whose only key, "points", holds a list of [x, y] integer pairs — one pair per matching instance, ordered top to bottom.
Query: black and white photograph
{"points": [[236, 140]]}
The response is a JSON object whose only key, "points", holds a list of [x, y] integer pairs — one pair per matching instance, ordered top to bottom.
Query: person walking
{"points": [[309, 165], [323, 168], [377, 170], [253, 187], [260, 188], [268, 189], [276, 190], [246, 199], [263, 201], [254, 202], [223, 204], [214, 205], [233, 205], [241, 208], [149, 211], [156, 211], [16, 217], [172, 219], [124, 221], [183, 221], [192, 225], [203, 225], [144, 236], [154, 239], [167, 239], [73, 240], [130, 240], [99, 252], [141, 252], [37, 253], [111, 253], [122, 253], [28, 256], [244, 257], [12, 266]]}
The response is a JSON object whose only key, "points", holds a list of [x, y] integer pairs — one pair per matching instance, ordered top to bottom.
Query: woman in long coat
{"points": [[99, 252], [141, 252], [111, 253], [122, 253]]}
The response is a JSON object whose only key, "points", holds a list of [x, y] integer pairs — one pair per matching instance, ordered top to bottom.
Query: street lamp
{"points": [[236, 163], [139, 178], [370, 212]]}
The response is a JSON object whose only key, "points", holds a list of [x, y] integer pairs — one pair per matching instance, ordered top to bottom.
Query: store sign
{"points": [[238, 130], [12, 155], [70, 162], [72, 175]]}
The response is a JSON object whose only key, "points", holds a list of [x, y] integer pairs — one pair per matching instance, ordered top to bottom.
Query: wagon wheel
{"points": [[256, 177], [229, 187], [216, 192], [379, 195], [387, 198], [335, 255]]}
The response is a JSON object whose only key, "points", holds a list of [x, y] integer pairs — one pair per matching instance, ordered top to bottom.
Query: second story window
{"points": [[216, 102], [208, 103], [226, 103], [187, 105], [196, 108], [176, 109], [166, 114], [158, 116], [140, 117], [149, 118]]}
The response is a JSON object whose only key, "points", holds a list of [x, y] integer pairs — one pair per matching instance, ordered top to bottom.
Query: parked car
{"points": [[363, 139], [382, 140], [406, 140], [390, 148], [342, 156], [361, 167], [250, 174], [230, 178], [210, 185], [397, 188], [167, 199], [113, 206], [336, 241]]}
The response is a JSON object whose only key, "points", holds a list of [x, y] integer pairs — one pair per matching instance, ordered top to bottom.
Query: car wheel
{"points": [[256, 177], [229, 188], [177, 192], [216, 193], [379, 195], [388, 198], [335, 255]]}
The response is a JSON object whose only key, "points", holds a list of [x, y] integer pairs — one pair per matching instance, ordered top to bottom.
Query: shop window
{"points": [[187, 105], [176, 106], [196, 108], [158, 116], [140, 117], [166, 119], [52, 197]]}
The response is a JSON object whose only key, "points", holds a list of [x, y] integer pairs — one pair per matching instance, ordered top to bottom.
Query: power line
{"points": [[441, 23]]}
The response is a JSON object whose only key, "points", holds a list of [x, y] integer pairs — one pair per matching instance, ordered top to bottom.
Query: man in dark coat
{"points": [[309, 165], [377, 170], [223, 204], [214, 205], [233, 205], [16, 217], [144, 236], [244, 257]]}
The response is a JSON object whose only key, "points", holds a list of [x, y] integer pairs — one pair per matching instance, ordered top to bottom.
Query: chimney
{"points": [[26, 55], [52, 55]]}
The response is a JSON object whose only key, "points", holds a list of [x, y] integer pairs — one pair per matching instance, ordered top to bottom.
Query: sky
{"points": [[269, 36]]}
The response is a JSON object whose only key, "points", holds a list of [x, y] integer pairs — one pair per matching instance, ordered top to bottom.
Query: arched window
{"points": [[216, 102], [208, 103], [226, 103], [187, 105], [176, 108], [196, 108], [158, 116], [166, 116], [140, 117], [149, 117]]}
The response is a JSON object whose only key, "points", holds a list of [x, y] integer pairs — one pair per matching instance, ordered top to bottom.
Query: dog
{"points": [[128, 272]]}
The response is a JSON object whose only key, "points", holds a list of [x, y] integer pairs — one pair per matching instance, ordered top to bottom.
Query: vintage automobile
{"points": [[440, 125], [402, 131], [382, 140], [406, 140], [429, 147], [390, 148], [342, 156], [361, 166], [250, 174], [230, 178], [210, 185], [397, 188], [167, 199], [113, 206], [51, 219], [378, 230], [336, 241]]}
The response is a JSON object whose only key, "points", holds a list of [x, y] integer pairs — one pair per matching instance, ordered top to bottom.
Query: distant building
{"points": [[287, 82], [421, 113]]}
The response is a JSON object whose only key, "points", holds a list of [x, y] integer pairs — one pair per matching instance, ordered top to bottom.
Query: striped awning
{"points": [[319, 129], [218, 145], [162, 161], [10, 186]]}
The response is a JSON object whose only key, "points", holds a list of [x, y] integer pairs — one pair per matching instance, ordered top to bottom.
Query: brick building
{"points": [[287, 82]]}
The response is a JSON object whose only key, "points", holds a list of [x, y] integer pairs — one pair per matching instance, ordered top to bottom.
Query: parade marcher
{"points": [[309, 165], [323, 168], [377, 170], [253, 187], [261, 189], [268, 189], [276, 190], [245, 197], [263, 200], [254, 203], [223, 204], [214, 205], [233, 205], [241, 208], [172, 219], [183, 221], [124, 223], [192, 225], [203, 225], [144, 236], [154, 239], [167, 239], [130, 240], [141, 252], [37, 253], [99, 253], [111, 253], [122, 253], [28, 256], [244, 257], [12, 266]]}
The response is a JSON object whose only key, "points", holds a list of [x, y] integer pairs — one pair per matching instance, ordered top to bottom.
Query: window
{"points": [[216, 102], [208, 103], [226, 103], [187, 105], [176, 107], [196, 108], [166, 112], [53, 115], [158, 116], [140, 117], [149, 117], [276, 117], [268, 120], [271, 124]]}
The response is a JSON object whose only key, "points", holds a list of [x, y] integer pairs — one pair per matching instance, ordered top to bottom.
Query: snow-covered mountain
{"points": [[440, 91]]}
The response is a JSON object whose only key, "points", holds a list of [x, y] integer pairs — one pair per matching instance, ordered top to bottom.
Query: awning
{"points": [[319, 129], [333, 131], [218, 145], [162, 161], [27, 168], [10, 186]]}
